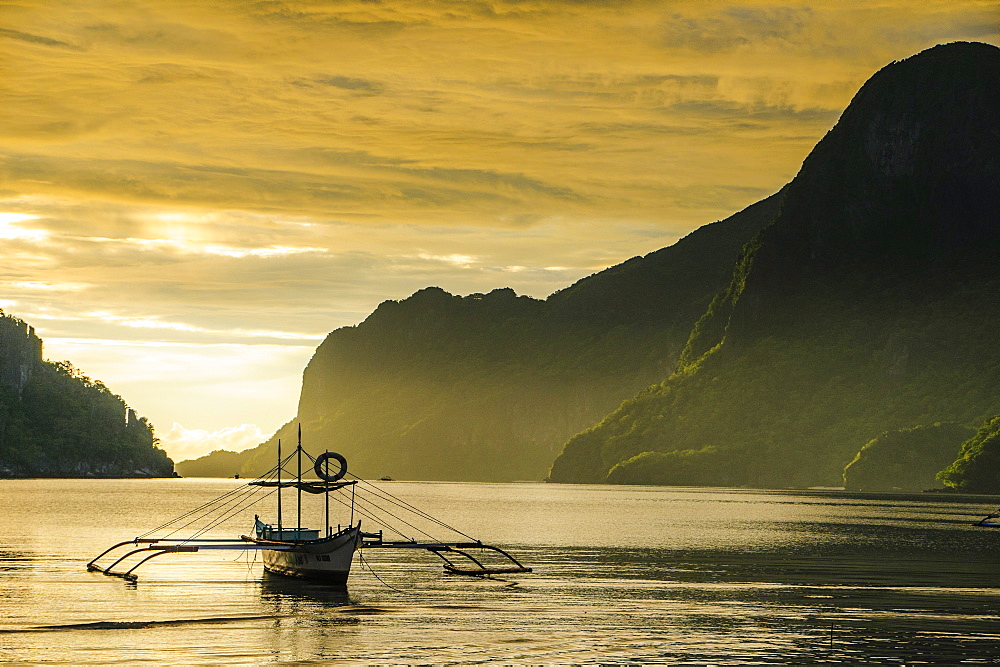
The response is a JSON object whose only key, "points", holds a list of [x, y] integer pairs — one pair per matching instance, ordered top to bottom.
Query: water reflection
{"points": [[282, 591], [309, 618]]}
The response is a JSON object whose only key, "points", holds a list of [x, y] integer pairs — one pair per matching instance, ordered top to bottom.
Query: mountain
{"points": [[871, 303], [490, 386], [56, 422], [905, 460], [220, 463]]}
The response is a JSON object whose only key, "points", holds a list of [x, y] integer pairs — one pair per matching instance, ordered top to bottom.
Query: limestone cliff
{"points": [[56, 422]]}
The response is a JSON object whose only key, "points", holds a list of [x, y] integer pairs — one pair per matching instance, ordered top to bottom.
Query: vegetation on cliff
{"points": [[56, 422], [905, 460], [977, 468]]}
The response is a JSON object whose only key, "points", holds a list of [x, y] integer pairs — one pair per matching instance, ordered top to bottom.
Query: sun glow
{"points": [[10, 229], [454, 259], [213, 385]]}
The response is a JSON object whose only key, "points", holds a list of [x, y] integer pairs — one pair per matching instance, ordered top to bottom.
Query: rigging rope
{"points": [[231, 503], [213, 505], [405, 505], [219, 506], [376, 508], [189, 513], [230, 514], [370, 514]]}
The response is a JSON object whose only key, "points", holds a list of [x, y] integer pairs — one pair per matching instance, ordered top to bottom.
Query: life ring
{"points": [[320, 468]]}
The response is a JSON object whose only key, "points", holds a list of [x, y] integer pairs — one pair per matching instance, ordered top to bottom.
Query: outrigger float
{"points": [[305, 552]]}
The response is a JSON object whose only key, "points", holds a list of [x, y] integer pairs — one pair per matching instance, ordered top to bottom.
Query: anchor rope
{"points": [[364, 562]]}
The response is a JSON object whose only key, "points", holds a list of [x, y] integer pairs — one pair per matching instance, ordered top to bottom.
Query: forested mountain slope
{"points": [[870, 304], [490, 386], [56, 422], [977, 467]]}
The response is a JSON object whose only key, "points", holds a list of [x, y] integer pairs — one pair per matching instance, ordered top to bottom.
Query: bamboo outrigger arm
{"points": [[137, 541], [172, 547], [439, 549], [128, 574]]}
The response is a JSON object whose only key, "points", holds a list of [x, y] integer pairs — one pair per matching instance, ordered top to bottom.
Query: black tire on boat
{"points": [[320, 466]]}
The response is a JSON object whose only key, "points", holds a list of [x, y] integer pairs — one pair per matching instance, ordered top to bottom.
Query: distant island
{"points": [[770, 349], [56, 422]]}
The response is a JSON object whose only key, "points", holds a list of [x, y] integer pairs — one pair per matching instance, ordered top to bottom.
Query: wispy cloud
{"points": [[36, 39], [189, 248], [45, 287], [156, 323]]}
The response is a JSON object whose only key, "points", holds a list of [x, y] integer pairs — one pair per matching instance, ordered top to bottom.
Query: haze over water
{"points": [[622, 574]]}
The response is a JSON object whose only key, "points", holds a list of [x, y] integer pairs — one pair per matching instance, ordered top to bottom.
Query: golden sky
{"points": [[192, 194]]}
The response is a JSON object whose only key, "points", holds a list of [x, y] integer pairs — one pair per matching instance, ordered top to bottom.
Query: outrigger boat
{"points": [[323, 554]]}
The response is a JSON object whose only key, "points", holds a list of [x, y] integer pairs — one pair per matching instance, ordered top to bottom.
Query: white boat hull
{"points": [[327, 559]]}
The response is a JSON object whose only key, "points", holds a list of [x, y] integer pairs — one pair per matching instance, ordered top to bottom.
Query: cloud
{"points": [[731, 28], [35, 39], [360, 86], [464, 118], [189, 248], [454, 259], [46, 287], [157, 323], [182, 443]]}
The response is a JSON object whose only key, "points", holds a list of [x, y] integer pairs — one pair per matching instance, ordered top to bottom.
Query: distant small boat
{"points": [[385, 479], [311, 553]]}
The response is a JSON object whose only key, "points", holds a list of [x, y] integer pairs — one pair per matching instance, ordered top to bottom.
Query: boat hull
{"points": [[326, 560]]}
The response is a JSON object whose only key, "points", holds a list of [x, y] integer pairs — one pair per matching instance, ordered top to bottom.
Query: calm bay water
{"points": [[622, 574]]}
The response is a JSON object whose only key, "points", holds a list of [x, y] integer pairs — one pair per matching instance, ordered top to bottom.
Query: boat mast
{"points": [[279, 489], [326, 496], [298, 504]]}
